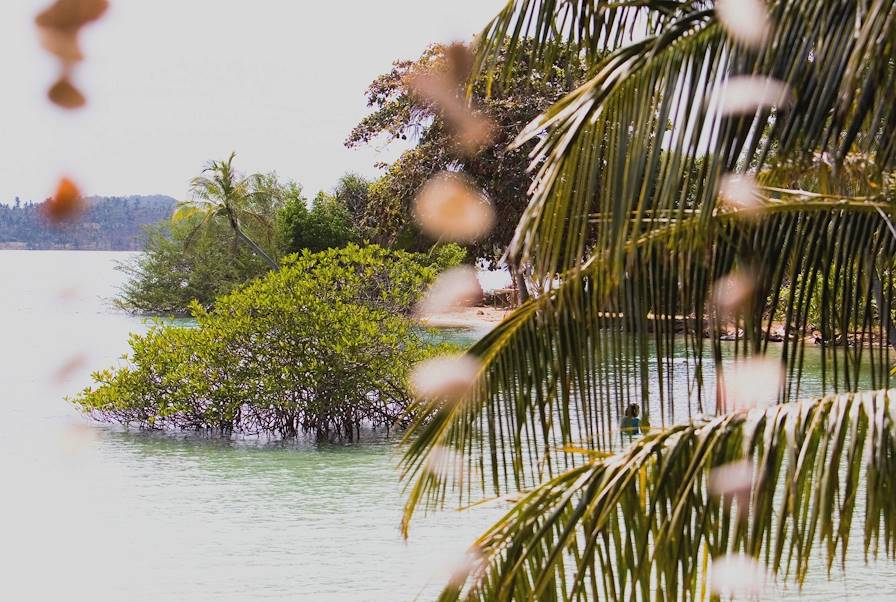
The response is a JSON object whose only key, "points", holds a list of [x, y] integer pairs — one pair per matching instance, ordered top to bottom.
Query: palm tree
{"points": [[220, 192], [644, 201]]}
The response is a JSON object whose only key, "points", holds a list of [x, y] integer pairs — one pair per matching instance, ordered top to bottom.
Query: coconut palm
{"points": [[705, 148], [220, 192]]}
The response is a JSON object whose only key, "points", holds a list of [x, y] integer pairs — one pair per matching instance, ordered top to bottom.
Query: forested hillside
{"points": [[108, 223]]}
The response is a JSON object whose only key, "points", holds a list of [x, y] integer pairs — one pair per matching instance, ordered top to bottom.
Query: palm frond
{"points": [[595, 27], [649, 124], [187, 210], [561, 369], [643, 525]]}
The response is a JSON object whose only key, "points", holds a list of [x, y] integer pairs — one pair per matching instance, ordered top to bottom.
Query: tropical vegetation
{"points": [[399, 112], [702, 148], [221, 194], [327, 224], [236, 229], [180, 264], [322, 346]]}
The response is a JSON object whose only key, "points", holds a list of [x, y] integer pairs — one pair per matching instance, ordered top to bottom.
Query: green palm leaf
{"points": [[646, 126], [222, 193], [626, 229], [560, 370], [643, 525]]}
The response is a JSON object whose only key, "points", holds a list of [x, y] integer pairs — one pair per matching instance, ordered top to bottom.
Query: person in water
{"points": [[631, 423]]}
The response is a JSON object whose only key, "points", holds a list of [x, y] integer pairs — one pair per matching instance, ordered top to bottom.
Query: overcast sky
{"points": [[174, 83]]}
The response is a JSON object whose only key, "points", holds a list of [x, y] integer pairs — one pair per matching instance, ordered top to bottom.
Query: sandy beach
{"points": [[475, 318]]}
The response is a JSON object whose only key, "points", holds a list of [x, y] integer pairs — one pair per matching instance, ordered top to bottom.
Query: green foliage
{"points": [[500, 172], [353, 191], [221, 194], [326, 225], [627, 226], [220, 240], [447, 255], [179, 265], [322, 345], [663, 511]]}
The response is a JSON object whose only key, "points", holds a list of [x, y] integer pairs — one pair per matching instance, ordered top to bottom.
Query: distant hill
{"points": [[108, 224]]}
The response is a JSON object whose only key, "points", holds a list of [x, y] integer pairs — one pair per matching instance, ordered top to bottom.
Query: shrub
{"points": [[326, 225], [170, 274], [323, 345]]}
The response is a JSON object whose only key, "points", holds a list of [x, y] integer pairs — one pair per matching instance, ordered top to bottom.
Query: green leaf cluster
{"points": [[502, 173], [327, 224], [632, 224], [180, 265], [323, 346]]}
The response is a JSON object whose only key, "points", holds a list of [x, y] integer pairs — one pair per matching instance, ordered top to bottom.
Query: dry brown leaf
{"points": [[71, 14], [61, 42], [460, 63], [64, 94], [470, 130], [66, 204], [72, 365]]}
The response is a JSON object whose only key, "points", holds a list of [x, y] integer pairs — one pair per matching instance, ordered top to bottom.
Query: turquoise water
{"points": [[92, 512]]}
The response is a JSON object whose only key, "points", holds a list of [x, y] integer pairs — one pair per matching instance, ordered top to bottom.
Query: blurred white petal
{"points": [[745, 20], [745, 94], [740, 191], [448, 207], [454, 289], [732, 291], [445, 377], [752, 383], [445, 463], [735, 478], [467, 564], [737, 576]]}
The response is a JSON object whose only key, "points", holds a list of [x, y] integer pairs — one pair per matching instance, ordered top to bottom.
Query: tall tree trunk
{"points": [[255, 248], [520, 281], [883, 306]]}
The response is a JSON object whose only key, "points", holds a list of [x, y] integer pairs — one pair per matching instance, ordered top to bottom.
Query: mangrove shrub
{"points": [[323, 345]]}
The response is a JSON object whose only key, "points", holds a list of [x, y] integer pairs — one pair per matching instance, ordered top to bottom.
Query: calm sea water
{"points": [[91, 512]]}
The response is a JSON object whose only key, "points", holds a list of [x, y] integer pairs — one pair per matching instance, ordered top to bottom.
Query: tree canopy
{"points": [[398, 113], [699, 180], [221, 193], [107, 223], [327, 224], [322, 345]]}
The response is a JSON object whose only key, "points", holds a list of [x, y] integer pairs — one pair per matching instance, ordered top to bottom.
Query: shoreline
{"points": [[477, 318], [482, 319]]}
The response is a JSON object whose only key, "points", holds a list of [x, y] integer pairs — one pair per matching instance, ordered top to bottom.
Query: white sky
{"points": [[174, 83]]}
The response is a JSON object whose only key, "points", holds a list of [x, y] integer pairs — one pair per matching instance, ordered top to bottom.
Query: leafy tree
{"points": [[398, 113], [353, 191], [221, 193], [326, 225], [628, 225], [198, 256], [180, 265], [323, 345]]}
